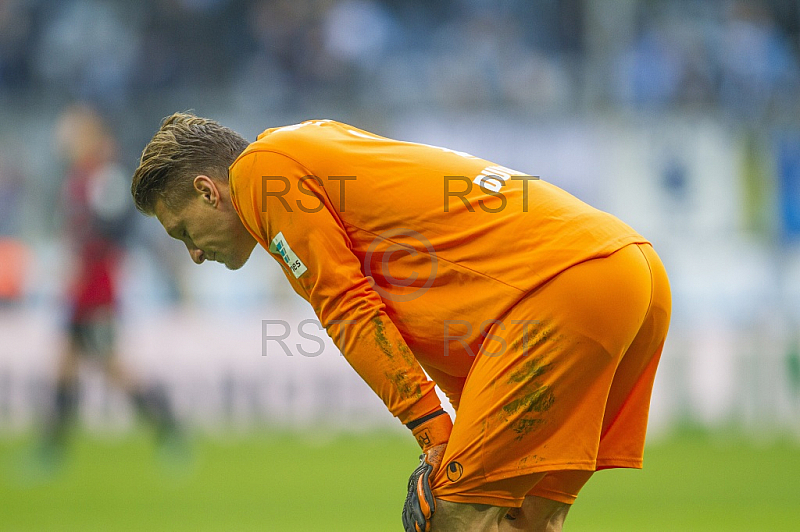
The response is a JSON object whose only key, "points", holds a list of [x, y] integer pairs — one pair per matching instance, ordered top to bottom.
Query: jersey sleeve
{"points": [[287, 209]]}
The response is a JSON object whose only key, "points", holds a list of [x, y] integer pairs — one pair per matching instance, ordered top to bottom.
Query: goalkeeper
{"points": [[540, 317]]}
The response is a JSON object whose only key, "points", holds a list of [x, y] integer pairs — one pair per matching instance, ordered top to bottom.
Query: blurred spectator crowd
{"points": [[540, 55]]}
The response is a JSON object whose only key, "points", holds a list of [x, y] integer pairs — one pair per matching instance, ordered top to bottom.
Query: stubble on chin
{"points": [[239, 262]]}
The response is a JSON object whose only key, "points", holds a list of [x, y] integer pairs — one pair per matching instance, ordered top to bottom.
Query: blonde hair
{"points": [[184, 147]]}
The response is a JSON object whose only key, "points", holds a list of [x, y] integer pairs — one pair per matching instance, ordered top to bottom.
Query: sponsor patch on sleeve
{"points": [[281, 247]]}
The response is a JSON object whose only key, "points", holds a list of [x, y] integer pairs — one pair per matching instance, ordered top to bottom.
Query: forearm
{"points": [[377, 351]]}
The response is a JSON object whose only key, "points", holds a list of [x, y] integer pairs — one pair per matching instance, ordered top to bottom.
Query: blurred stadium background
{"points": [[681, 117]]}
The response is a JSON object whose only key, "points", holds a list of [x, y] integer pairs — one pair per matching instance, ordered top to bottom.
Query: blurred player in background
{"points": [[96, 221], [14, 253], [540, 317]]}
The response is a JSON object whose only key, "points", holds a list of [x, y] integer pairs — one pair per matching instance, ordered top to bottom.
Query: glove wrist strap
{"points": [[417, 422], [432, 429]]}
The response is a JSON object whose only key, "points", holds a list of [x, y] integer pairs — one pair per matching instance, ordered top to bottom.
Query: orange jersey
{"points": [[408, 252]]}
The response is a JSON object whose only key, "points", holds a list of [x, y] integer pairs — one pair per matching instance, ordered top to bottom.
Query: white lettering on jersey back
{"points": [[494, 177]]}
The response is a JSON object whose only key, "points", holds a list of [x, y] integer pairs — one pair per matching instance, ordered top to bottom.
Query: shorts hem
{"points": [[613, 463], [585, 465], [558, 496], [491, 500], [506, 502]]}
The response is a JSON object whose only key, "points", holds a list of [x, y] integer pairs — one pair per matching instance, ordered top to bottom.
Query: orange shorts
{"points": [[562, 385]]}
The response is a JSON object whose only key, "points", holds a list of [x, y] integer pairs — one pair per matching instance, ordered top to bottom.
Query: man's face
{"points": [[209, 226]]}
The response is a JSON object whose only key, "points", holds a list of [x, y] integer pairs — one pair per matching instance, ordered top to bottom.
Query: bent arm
{"points": [[304, 233]]}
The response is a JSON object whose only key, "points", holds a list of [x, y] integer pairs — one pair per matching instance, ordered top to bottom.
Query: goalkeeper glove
{"points": [[432, 432]]}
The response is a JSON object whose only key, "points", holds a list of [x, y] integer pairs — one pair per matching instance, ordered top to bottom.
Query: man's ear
{"points": [[207, 189]]}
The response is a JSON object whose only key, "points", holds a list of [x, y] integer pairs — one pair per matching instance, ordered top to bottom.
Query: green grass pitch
{"points": [[319, 483]]}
